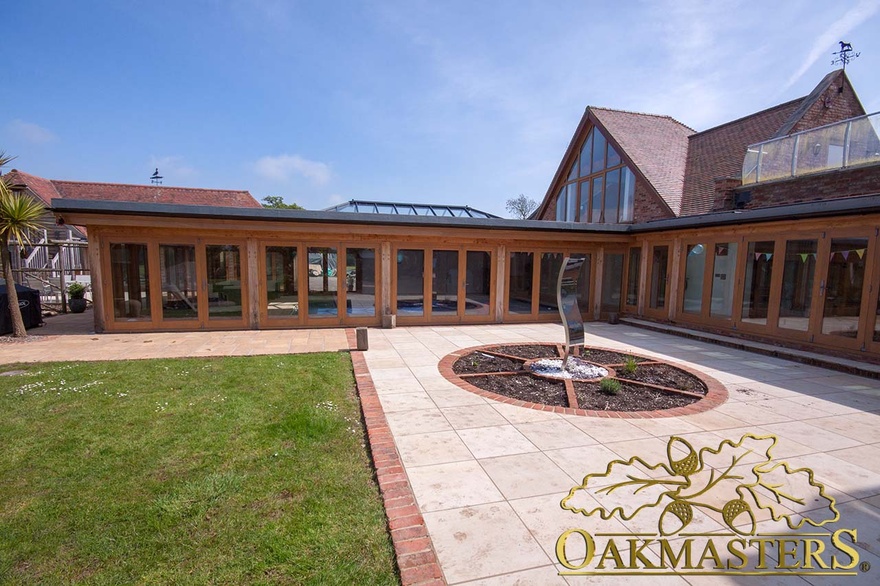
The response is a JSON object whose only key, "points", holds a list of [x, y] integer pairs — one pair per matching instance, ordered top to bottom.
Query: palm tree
{"points": [[19, 215]]}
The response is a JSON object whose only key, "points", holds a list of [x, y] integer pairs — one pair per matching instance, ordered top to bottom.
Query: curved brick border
{"points": [[716, 392], [412, 545]]}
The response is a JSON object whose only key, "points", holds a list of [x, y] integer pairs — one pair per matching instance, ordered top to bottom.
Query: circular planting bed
{"points": [[599, 382]]}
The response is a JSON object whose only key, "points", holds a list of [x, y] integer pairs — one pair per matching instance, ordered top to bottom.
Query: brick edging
{"points": [[716, 393], [416, 559]]}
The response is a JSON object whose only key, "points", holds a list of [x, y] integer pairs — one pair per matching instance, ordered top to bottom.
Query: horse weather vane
{"points": [[845, 55]]}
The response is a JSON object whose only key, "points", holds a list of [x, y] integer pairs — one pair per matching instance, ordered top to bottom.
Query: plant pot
{"points": [[76, 305]]}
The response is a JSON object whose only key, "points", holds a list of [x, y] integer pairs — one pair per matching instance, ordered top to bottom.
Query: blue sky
{"points": [[437, 102]]}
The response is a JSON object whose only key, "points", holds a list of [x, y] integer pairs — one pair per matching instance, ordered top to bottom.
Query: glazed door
{"points": [[842, 303]]}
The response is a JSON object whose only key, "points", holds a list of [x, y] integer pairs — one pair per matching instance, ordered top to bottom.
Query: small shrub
{"points": [[76, 290], [630, 365], [610, 386]]}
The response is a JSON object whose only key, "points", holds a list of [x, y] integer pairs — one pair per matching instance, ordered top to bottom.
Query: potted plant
{"points": [[76, 293]]}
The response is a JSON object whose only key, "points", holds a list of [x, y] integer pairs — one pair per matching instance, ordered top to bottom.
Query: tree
{"points": [[277, 202], [521, 207], [19, 214]]}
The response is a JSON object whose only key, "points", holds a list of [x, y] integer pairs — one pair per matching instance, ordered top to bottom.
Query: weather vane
{"points": [[845, 55], [155, 178]]}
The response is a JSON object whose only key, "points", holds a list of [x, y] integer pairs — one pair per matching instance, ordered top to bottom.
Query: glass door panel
{"points": [[551, 263], [223, 264], [177, 268], [723, 271], [798, 271], [694, 272], [632, 276], [659, 276], [612, 281], [130, 282], [282, 282], [360, 282], [323, 283], [410, 283], [444, 284], [478, 284], [756, 286], [843, 286], [583, 290], [519, 295]]}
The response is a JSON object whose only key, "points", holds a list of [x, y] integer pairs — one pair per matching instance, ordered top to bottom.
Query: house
{"points": [[764, 227]]}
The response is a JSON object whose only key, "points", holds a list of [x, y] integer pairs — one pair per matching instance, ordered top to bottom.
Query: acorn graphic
{"points": [[687, 465], [735, 508], [675, 517]]}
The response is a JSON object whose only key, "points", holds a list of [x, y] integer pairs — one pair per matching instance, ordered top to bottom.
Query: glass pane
{"points": [[864, 141], [819, 149], [598, 151], [587, 156], [613, 157], [776, 159], [750, 166], [573, 173], [612, 191], [598, 194], [627, 195], [571, 203], [560, 206], [584, 212], [551, 264], [695, 267], [177, 268], [659, 268], [129, 273], [632, 276], [722, 279], [224, 281], [612, 281], [282, 282], [360, 282], [410, 282], [478, 283], [520, 283], [797, 284], [756, 287], [843, 287], [444, 288], [583, 290], [323, 294]]}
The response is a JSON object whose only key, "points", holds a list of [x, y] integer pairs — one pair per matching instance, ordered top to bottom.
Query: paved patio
{"points": [[489, 477]]}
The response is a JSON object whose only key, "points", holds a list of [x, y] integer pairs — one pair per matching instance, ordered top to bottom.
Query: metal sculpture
{"points": [[566, 298]]}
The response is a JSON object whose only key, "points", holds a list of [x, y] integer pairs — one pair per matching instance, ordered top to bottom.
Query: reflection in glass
{"points": [[598, 151], [587, 155], [613, 157], [612, 191], [627, 195], [571, 203], [560, 205], [584, 212], [596, 216], [551, 262], [177, 268], [659, 268], [695, 268], [129, 273], [632, 276], [722, 279], [224, 281], [612, 281], [282, 282], [323, 282], [360, 282], [410, 282], [479, 282], [520, 283], [797, 284], [444, 287], [843, 287], [756, 288], [583, 289]]}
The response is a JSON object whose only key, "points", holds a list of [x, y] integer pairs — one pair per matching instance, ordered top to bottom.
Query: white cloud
{"points": [[834, 33], [30, 132], [284, 167], [174, 169], [335, 199]]}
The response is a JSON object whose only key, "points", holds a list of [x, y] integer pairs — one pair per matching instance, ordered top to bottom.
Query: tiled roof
{"points": [[657, 146], [719, 152], [42, 188]]}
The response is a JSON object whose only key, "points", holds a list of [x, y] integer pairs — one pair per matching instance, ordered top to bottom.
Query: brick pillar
{"points": [[724, 193]]}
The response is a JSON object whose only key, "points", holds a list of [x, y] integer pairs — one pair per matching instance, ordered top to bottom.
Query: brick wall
{"points": [[832, 106], [827, 185], [725, 191]]}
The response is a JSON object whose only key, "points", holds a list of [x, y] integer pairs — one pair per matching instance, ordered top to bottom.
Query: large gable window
{"points": [[600, 188]]}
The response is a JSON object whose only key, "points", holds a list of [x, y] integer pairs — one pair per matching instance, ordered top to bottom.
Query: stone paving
{"points": [[488, 477]]}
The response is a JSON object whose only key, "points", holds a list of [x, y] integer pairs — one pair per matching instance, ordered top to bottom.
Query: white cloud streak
{"points": [[834, 33], [30, 132], [283, 168], [174, 169]]}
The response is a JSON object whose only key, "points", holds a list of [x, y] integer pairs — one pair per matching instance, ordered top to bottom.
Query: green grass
{"points": [[188, 471]]}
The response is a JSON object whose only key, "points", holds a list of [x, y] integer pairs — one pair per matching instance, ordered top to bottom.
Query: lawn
{"points": [[224, 471]]}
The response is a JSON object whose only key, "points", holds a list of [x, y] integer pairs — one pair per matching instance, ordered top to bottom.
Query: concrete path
{"points": [[489, 477]]}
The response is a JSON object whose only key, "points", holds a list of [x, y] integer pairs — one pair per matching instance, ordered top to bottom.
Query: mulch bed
{"points": [[528, 351], [609, 357], [477, 362], [666, 376], [524, 387], [632, 397]]}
